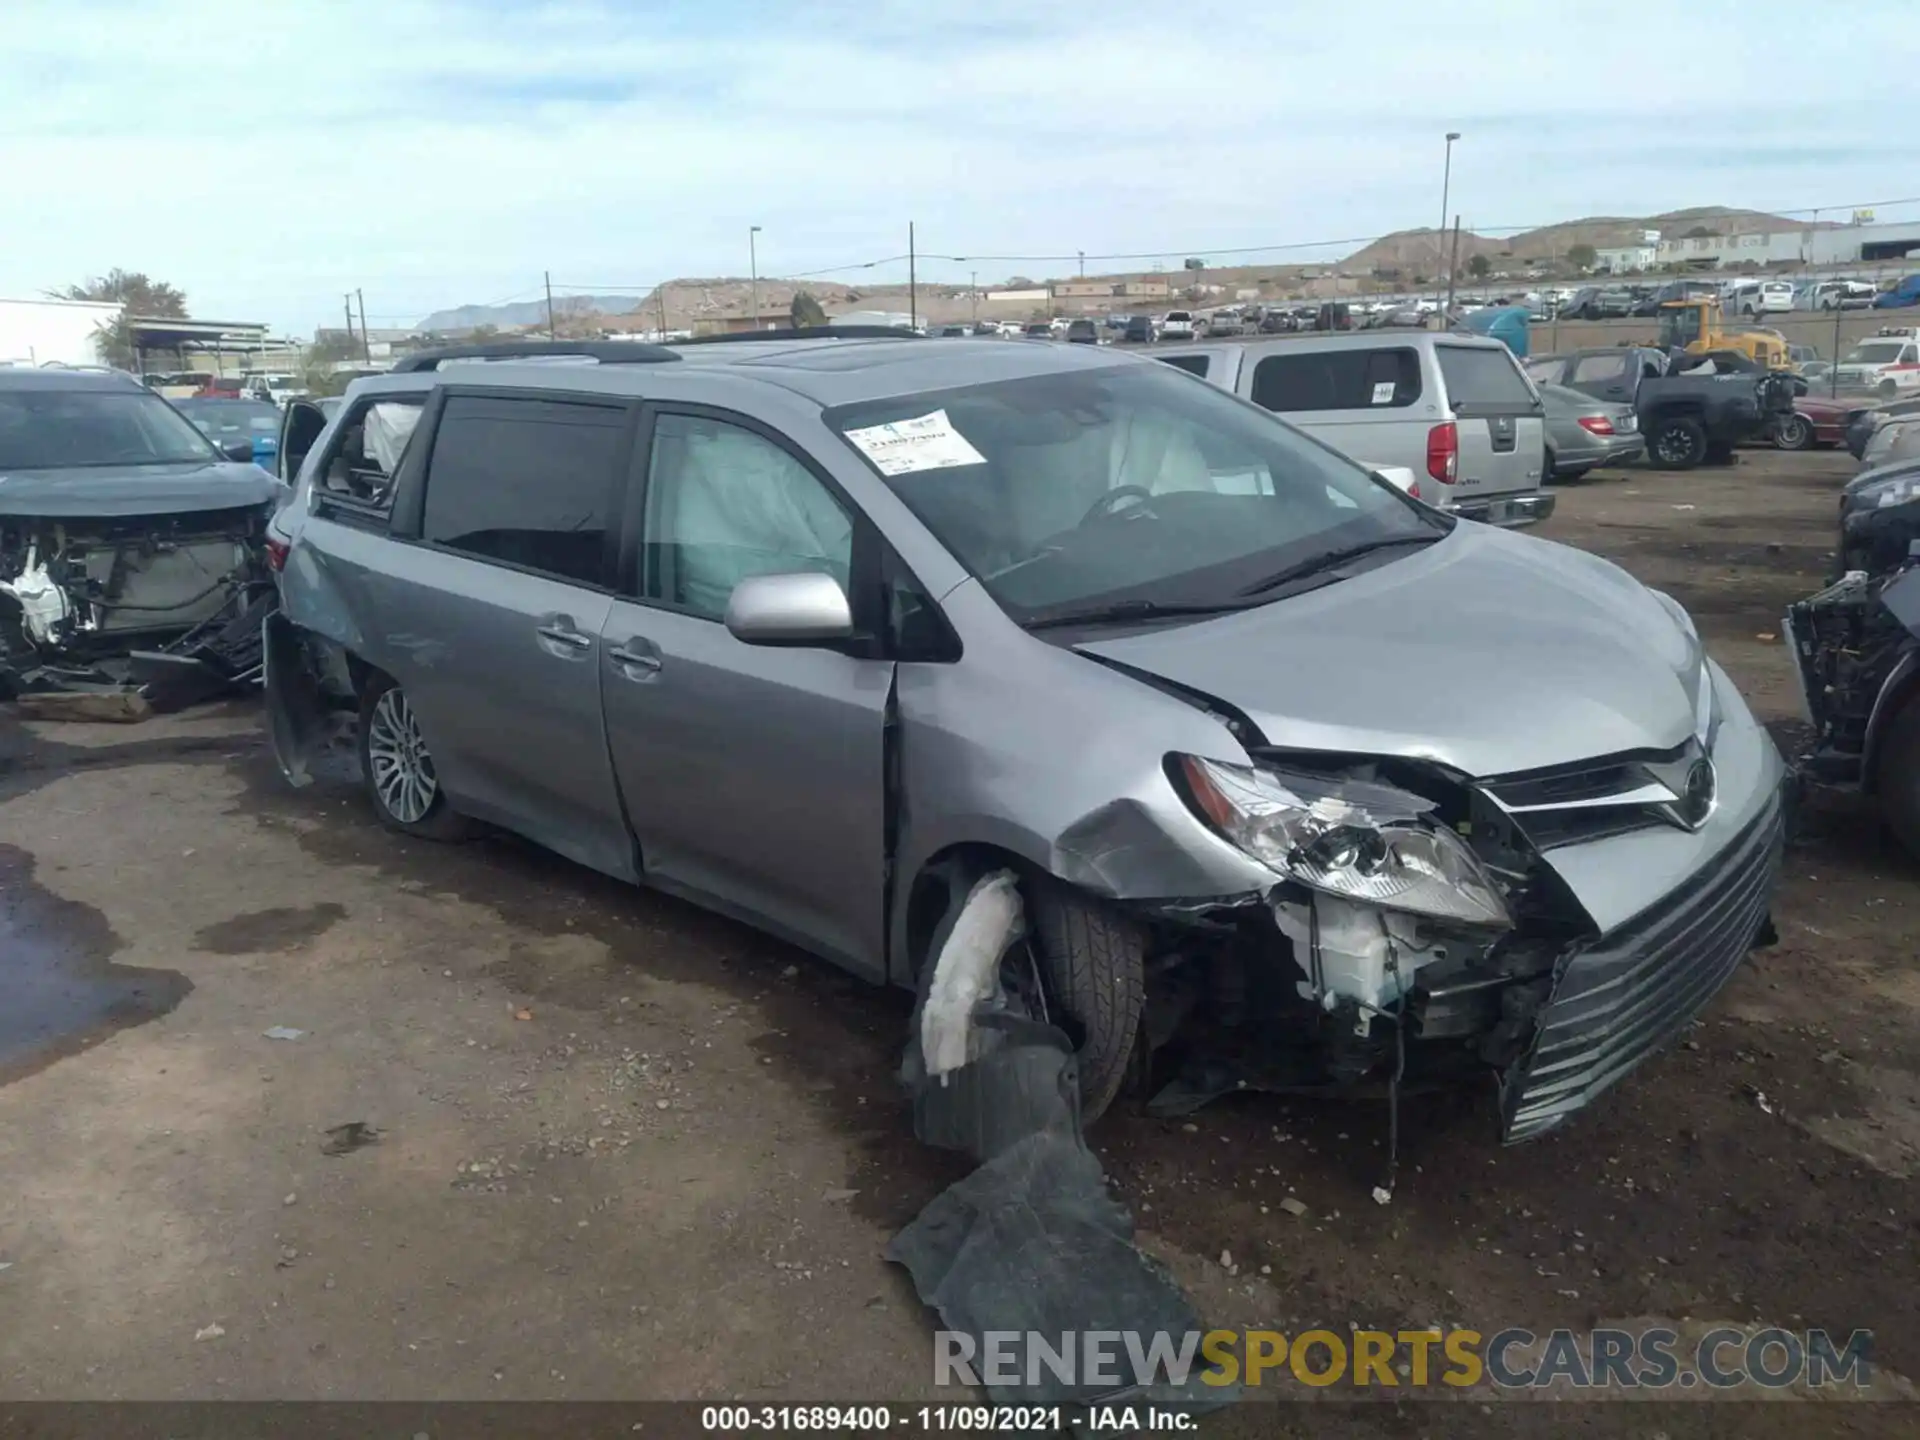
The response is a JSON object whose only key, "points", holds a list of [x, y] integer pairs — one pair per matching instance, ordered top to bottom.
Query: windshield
{"points": [[1679, 326], [1884, 352], [231, 418], [58, 429], [1118, 485]]}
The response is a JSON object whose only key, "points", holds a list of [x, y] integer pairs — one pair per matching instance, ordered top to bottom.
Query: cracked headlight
{"points": [[1363, 841]]}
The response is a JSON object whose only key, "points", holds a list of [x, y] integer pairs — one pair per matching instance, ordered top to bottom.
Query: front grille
{"points": [[1593, 799], [1629, 993]]}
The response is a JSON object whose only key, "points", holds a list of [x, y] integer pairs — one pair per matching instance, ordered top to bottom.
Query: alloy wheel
{"points": [[403, 775]]}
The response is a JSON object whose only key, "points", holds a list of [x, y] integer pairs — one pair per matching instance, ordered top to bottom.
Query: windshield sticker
{"points": [[1383, 392], [928, 442]]}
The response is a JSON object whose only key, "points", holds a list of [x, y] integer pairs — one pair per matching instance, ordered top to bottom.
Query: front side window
{"points": [[1883, 352], [62, 429], [525, 482], [1120, 485], [723, 504]]}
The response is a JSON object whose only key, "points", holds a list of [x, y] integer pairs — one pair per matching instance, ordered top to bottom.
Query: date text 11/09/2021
{"points": [[937, 1419]]}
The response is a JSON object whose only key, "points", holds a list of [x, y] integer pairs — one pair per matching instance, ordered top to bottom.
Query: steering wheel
{"points": [[1105, 505]]}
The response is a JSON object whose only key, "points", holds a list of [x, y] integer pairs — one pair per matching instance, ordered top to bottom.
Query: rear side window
{"points": [[1192, 364], [1586, 370], [1482, 375], [1382, 379], [525, 482]]}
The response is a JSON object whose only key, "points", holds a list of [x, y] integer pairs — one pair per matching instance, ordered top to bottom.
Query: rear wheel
{"points": [[1795, 432], [1677, 443], [1897, 775], [401, 781]]}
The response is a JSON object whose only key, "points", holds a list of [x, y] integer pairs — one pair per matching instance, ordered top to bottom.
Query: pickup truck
{"points": [[1690, 417]]}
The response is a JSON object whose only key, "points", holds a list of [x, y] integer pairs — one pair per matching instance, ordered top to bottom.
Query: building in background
{"points": [[1625, 259], [53, 332]]}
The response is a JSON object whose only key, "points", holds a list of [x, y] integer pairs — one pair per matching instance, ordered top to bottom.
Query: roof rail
{"points": [[812, 332], [607, 352]]}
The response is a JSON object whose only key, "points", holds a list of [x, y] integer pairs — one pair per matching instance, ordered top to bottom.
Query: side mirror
{"points": [[238, 450], [798, 609]]}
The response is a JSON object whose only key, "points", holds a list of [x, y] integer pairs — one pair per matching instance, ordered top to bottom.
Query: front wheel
{"points": [[1886, 389], [1795, 432], [1677, 443], [401, 781], [1093, 964]]}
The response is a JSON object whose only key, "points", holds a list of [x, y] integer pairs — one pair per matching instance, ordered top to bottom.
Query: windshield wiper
{"points": [[1332, 559], [1123, 610]]}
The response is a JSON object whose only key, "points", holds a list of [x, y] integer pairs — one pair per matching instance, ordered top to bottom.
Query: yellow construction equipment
{"points": [[1693, 325]]}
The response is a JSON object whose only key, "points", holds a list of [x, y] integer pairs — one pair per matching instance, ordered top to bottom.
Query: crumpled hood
{"points": [[114, 492], [1490, 652]]}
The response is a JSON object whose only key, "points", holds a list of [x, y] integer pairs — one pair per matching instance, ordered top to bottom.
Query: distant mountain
{"points": [[1419, 251], [525, 312]]}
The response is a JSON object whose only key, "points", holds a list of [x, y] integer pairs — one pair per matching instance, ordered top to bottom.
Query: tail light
{"points": [[1596, 424], [1443, 452], [276, 554]]}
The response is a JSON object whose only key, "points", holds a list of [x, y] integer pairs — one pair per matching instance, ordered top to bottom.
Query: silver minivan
{"points": [[1457, 410], [1040, 678]]}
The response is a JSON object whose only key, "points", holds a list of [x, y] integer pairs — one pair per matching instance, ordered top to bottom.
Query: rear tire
{"points": [[1794, 433], [1677, 443], [1897, 775], [402, 785], [1093, 963]]}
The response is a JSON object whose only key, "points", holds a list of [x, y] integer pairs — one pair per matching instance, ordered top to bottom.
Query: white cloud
{"points": [[433, 152]]}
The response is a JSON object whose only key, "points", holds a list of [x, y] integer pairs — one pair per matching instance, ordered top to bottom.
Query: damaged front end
{"points": [[168, 603], [1856, 649], [1419, 936]]}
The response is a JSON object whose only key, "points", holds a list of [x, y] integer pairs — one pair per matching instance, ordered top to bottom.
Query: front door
{"points": [[497, 612], [753, 775]]}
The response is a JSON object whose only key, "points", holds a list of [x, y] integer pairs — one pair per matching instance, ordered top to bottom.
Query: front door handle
{"points": [[559, 636]]}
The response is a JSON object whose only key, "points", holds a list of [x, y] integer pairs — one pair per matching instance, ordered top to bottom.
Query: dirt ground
{"points": [[625, 1149]]}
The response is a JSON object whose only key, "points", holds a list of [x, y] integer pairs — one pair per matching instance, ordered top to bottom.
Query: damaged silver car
{"points": [[123, 531], [1298, 782]]}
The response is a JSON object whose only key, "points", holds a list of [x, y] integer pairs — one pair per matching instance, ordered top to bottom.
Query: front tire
{"points": [[1886, 390], [1794, 433], [1677, 443], [402, 784], [1093, 964]]}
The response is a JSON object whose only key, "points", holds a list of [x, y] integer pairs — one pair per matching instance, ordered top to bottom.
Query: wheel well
{"points": [[1905, 693], [942, 882]]}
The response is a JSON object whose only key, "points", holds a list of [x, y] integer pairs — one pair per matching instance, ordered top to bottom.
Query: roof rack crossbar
{"points": [[812, 332], [607, 352]]}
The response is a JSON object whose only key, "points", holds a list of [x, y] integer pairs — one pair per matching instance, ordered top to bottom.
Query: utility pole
{"points": [[1446, 183], [1083, 264], [1452, 265], [753, 273], [547, 275], [973, 289], [913, 293], [660, 294], [349, 300], [366, 339], [1833, 374]]}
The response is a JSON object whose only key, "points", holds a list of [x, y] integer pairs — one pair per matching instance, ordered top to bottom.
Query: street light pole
{"points": [[1446, 183], [753, 272], [973, 290]]}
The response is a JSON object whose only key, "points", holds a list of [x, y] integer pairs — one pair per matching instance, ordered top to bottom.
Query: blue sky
{"points": [[436, 152]]}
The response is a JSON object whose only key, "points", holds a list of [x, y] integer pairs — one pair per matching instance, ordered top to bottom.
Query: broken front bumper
{"points": [[1629, 993]]}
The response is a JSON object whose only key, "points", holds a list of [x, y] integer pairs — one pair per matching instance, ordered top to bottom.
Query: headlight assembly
{"points": [[1363, 841]]}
